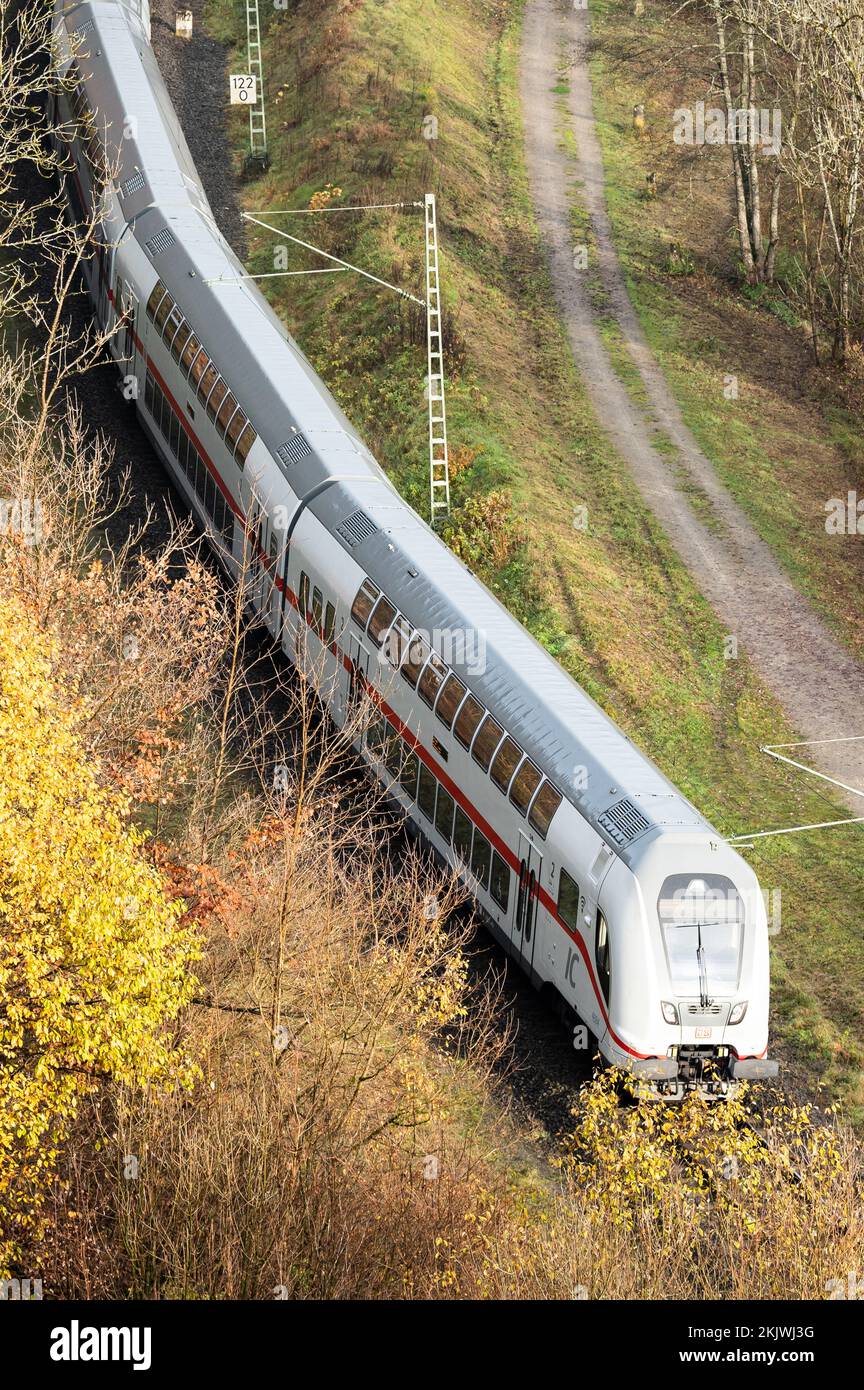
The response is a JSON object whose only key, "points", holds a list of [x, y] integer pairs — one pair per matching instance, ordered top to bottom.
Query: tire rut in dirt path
{"points": [[819, 684]]}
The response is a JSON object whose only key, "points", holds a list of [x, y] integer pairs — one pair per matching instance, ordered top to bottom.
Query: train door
{"points": [[126, 304], [264, 561], [356, 683], [523, 931]]}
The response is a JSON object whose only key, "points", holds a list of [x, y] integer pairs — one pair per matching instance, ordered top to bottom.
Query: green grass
{"points": [[613, 603]]}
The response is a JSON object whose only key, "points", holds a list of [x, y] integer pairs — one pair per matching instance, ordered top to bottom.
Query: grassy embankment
{"points": [[612, 602]]}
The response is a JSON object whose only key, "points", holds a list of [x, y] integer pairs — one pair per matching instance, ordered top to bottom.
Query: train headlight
{"points": [[670, 1012], [738, 1012]]}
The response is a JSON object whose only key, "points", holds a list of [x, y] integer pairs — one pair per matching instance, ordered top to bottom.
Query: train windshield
{"points": [[702, 920]]}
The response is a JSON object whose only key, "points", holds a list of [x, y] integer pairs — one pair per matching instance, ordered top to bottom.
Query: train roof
{"points": [[593, 763]]}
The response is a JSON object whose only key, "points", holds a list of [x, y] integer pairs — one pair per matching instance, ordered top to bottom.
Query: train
{"points": [[607, 886]]}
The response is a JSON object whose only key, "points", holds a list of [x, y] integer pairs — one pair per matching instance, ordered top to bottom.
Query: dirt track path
{"points": [[819, 683]]}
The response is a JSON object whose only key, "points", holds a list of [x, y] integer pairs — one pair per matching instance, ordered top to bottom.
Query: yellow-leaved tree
{"points": [[94, 957]]}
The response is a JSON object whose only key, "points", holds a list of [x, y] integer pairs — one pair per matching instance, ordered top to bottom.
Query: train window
{"points": [[155, 295], [165, 306], [171, 325], [184, 333], [190, 351], [198, 368], [209, 377], [149, 388], [216, 397], [226, 410], [235, 428], [174, 436], [244, 444], [183, 451], [273, 551], [303, 594], [367, 597], [317, 608], [329, 623], [379, 623], [396, 641], [415, 659], [432, 678], [452, 694], [467, 720], [376, 736], [486, 741], [393, 755], [507, 759], [408, 775], [525, 784], [426, 788], [543, 808], [444, 814], [462, 829], [481, 854], [499, 885], [568, 901], [601, 954]]}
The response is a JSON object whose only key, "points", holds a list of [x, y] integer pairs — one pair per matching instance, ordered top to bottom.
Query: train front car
{"points": [[687, 967]]}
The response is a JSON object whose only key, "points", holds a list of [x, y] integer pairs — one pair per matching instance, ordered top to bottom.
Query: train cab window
{"points": [[156, 294], [166, 304], [184, 333], [190, 351], [209, 377], [216, 397], [225, 411], [235, 428], [244, 444], [273, 553], [303, 594], [367, 597], [317, 608], [382, 616], [329, 623], [431, 679], [452, 694], [467, 720], [488, 737], [507, 759], [408, 774], [525, 784], [426, 788], [543, 808], [444, 814], [462, 829], [481, 855], [499, 885], [568, 901], [601, 955]]}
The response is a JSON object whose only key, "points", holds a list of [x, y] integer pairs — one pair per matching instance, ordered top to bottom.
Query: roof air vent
{"points": [[84, 30], [133, 185], [160, 242], [295, 450], [356, 528], [624, 822]]}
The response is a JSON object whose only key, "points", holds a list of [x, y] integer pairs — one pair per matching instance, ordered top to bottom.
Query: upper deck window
{"points": [[543, 808]]}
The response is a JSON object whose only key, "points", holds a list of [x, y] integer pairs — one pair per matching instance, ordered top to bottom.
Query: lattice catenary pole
{"points": [[439, 466]]}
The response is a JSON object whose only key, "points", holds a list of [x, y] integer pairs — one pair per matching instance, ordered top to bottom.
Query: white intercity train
{"points": [[590, 867]]}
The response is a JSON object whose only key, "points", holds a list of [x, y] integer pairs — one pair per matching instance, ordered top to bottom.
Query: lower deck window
{"points": [[426, 789], [480, 859], [500, 881]]}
